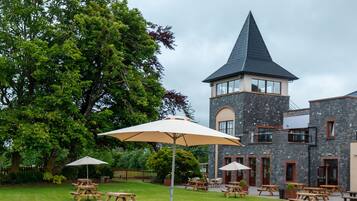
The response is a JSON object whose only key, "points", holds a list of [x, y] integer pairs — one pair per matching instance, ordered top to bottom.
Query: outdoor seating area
{"points": [[197, 184], [268, 188], [86, 189], [234, 189]]}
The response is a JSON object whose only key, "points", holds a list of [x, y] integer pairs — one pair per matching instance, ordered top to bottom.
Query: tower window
{"points": [[266, 86], [227, 87], [226, 127], [330, 130]]}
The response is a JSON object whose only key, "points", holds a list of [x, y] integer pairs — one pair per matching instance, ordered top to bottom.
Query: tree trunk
{"points": [[15, 162], [50, 162]]}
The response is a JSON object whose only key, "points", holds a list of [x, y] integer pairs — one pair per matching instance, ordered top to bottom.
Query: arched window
{"points": [[225, 121]]}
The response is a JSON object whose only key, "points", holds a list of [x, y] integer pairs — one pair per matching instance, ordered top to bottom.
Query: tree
{"points": [[71, 69], [186, 164]]}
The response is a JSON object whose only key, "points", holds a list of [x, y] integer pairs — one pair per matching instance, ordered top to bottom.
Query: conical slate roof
{"points": [[250, 56]]}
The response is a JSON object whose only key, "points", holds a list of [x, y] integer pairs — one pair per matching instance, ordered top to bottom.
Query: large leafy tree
{"points": [[73, 68]]}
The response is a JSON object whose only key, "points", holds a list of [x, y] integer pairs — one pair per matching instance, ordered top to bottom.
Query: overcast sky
{"points": [[314, 40]]}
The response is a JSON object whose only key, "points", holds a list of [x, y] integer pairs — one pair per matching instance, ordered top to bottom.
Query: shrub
{"points": [[186, 164], [28, 176], [47, 176], [58, 179], [243, 183], [290, 187]]}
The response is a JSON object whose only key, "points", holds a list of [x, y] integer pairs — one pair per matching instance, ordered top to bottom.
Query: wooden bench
{"points": [[268, 188], [79, 196], [122, 196]]}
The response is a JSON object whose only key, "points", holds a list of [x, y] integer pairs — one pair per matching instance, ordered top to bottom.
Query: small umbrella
{"points": [[173, 130], [86, 161], [234, 166]]}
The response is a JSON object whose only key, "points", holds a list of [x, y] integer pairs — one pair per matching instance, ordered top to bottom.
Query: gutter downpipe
{"points": [[309, 154]]}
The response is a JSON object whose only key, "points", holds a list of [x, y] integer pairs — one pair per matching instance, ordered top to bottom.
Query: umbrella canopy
{"points": [[173, 130], [186, 133], [86, 161], [234, 166]]}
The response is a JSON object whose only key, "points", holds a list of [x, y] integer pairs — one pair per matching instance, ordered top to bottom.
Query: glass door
{"points": [[265, 171], [331, 171], [252, 172]]}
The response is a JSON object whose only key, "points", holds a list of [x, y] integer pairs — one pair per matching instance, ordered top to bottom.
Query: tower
{"points": [[248, 94]]}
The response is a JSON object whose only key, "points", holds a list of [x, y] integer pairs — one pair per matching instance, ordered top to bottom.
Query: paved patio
{"points": [[253, 191]]}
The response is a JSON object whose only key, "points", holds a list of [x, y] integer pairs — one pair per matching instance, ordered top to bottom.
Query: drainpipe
{"points": [[309, 155], [216, 161]]}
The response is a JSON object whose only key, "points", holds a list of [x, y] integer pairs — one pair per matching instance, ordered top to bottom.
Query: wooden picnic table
{"points": [[234, 182], [197, 185], [298, 186], [268, 188], [332, 188], [234, 190], [315, 190], [86, 192], [123, 196], [311, 196]]}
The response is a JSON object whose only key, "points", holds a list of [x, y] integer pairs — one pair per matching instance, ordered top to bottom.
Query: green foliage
{"points": [[72, 69], [200, 152], [132, 159], [186, 164], [47, 176], [21, 177], [58, 179], [243, 183], [290, 187]]}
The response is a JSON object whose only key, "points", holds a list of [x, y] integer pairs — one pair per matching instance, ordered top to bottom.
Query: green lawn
{"points": [[144, 191]]}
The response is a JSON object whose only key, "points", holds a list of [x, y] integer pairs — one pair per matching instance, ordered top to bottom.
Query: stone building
{"points": [[249, 99]]}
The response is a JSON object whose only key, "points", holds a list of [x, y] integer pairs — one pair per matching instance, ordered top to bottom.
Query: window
{"points": [[266, 86], [227, 87], [221, 88], [226, 127], [330, 128], [264, 135], [299, 135], [290, 171]]}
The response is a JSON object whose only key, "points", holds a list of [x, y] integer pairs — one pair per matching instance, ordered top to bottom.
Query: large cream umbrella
{"points": [[176, 131], [86, 161]]}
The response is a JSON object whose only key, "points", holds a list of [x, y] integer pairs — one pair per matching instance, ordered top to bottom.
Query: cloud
{"points": [[315, 40]]}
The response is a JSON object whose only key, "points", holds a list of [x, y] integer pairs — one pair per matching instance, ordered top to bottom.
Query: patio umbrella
{"points": [[176, 131], [86, 161], [234, 166]]}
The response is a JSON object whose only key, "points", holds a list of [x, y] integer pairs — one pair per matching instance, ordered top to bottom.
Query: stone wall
{"points": [[344, 112]]}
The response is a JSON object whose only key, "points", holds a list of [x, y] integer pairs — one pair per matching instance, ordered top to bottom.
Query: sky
{"points": [[314, 40]]}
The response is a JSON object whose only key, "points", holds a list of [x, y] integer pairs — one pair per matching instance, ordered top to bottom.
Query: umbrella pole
{"points": [[173, 169], [87, 172]]}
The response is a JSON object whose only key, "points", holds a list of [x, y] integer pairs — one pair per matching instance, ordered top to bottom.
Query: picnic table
{"points": [[83, 182], [234, 182], [197, 185], [298, 186], [268, 188], [332, 188], [234, 190], [316, 190], [86, 192], [351, 195], [123, 196], [310, 196]]}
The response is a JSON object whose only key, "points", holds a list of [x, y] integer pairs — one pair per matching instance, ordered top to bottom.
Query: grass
{"points": [[143, 191]]}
